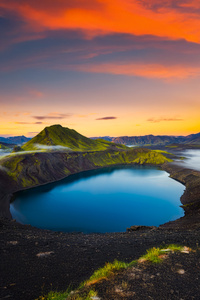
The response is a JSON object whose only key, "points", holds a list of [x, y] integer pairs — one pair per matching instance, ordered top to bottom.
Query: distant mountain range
{"points": [[192, 139], [17, 140], [84, 142]]}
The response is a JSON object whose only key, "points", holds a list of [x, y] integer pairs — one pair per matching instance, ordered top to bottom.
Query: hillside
{"points": [[56, 135], [106, 138], [192, 139], [147, 140], [194, 142], [3, 147], [28, 170]]}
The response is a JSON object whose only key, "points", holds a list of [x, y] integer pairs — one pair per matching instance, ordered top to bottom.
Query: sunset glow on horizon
{"points": [[101, 67]]}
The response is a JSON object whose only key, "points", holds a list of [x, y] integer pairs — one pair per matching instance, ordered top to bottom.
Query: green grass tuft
{"points": [[173, 247], [152, 255], [155, 255], [105, 272], [55, 296]]}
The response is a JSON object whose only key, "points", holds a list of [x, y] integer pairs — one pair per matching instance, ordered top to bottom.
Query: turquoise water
{"points": [[106, 200]]}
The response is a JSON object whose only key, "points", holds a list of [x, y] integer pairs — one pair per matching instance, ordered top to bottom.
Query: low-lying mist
{"points": [[46, 147], [40, 148], [192, 159]]}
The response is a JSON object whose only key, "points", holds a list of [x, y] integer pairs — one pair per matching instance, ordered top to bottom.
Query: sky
{"points": [[101, 67]]}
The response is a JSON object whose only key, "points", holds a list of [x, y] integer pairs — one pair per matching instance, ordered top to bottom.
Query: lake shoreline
{"points": [[103, 200], [190, 200], [35, 261]]}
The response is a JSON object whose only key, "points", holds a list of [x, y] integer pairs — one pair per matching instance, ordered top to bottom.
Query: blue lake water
{"points": [[106, 200]]}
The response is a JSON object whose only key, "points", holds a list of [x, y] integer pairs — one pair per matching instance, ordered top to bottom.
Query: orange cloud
{"points": [[169, 19], [142, 70]]}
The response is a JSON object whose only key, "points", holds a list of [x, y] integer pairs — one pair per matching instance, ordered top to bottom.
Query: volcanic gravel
{"points": [[35, 261]]}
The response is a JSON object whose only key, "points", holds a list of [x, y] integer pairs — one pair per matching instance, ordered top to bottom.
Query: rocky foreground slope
{"points": [[34, 262]]}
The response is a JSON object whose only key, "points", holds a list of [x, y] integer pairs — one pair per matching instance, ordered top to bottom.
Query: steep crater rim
{"points": [[191, 179]]}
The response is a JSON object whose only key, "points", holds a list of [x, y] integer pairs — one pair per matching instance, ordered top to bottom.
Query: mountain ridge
{"points": [[58, 136], [150, 139], [154, 139]]}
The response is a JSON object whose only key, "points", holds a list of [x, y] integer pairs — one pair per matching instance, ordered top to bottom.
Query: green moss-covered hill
{"points": [[56, 135], [28, 170]]}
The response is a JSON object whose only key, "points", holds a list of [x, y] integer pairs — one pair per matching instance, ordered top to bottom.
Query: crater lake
{"points": [[104, 200]]}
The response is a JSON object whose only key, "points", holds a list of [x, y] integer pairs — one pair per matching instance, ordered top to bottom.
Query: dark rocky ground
{"points": [[34, 261], [177, 277]]}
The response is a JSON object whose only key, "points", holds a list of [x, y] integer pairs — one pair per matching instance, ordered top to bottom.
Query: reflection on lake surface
{"points": [[106, 200]]}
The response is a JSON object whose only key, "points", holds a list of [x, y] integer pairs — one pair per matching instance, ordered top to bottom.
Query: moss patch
{"points": [[105, 272]]}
